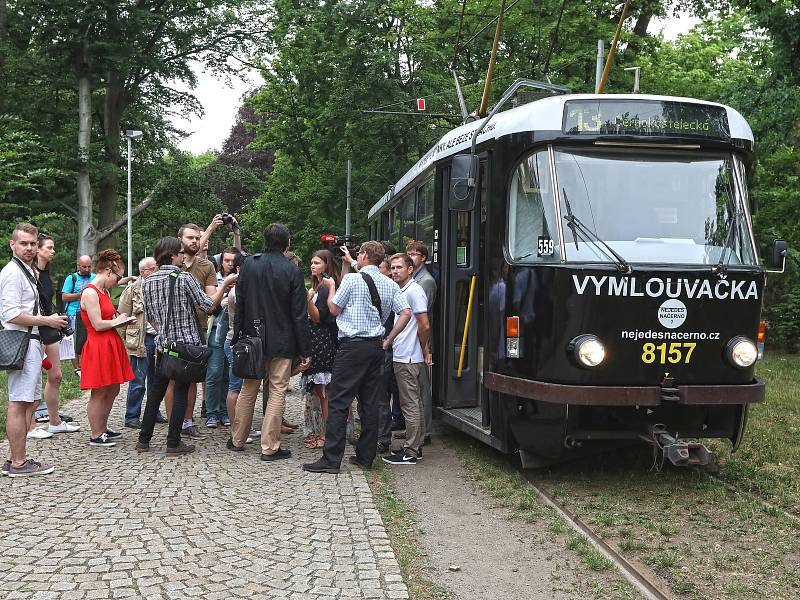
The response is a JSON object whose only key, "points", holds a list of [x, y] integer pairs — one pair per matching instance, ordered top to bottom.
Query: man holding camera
{"points": [[19, 311]]}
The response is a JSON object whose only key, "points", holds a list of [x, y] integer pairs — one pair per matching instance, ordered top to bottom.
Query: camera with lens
{"points": [[230, 220], [239, 260], [67, 330]]}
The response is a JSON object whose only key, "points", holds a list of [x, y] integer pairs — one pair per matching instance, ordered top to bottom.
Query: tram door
{"points": [[462, 256]]}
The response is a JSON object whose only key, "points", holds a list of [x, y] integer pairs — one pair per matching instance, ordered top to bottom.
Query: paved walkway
{"points": [[110, 523]]}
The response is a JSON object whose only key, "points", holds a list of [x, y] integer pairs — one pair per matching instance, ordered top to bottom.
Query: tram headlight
{"points": [[587, 350], [741, 352]]}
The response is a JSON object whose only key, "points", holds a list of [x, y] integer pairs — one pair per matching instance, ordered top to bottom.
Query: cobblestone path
{"points": [[110, 523]]}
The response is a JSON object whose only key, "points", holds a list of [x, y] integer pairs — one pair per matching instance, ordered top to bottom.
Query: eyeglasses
{"points": [[414, 253], [117, 273]]}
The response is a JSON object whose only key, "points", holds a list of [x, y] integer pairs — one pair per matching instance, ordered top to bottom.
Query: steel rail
{"points": [[635, 577]]}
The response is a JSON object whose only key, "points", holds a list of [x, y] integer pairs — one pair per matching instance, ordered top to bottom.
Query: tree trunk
{"points": [[115, 104], [87, 235]]}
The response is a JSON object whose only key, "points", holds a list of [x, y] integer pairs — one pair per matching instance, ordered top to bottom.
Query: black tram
{"points": [[599, 252]]}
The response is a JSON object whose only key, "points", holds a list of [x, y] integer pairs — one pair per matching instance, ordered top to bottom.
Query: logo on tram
{"points": [[655, 287], [672, 313]]}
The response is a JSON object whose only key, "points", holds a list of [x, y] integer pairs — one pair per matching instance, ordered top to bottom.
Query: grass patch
{"points": [[70, 389], [767, 463], [398, 518], [590, 555]]}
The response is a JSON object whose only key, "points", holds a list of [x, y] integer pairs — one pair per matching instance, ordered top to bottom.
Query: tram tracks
{"points": [[640, 580]]}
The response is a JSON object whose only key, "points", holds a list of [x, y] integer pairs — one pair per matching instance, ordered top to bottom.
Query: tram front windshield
{"points": [[650, 207]]}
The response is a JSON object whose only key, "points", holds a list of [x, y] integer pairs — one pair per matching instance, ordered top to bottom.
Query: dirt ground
{"points": [[498, 557]]}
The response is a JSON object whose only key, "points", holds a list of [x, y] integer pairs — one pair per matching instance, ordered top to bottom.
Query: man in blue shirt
{"points": [[71, 296]]}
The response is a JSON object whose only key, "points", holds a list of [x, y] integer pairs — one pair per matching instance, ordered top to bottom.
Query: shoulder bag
{"points": [[14, 342], [248, 355], [182, 362]]}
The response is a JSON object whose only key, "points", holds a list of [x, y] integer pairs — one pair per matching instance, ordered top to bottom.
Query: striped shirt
{"points": [[359, 318], [183, 327]]}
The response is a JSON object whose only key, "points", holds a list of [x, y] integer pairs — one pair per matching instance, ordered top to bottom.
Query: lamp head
{"points": [[133, 133]]}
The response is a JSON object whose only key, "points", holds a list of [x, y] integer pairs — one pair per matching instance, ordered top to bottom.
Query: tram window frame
{"points": [[550, 251]]}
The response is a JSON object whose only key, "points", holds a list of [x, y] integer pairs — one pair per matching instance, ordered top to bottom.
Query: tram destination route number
{"points": [[672, 353]]}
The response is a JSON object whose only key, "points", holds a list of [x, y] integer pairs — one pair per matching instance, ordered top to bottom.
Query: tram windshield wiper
{"points": [[577, 227], [721, 267]]}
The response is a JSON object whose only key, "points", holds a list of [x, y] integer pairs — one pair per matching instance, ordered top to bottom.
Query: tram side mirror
{"points": [[463, 182], [777, 259]]}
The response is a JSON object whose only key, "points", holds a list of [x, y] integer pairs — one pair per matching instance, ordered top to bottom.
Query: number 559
{"points": [[672, 353]]}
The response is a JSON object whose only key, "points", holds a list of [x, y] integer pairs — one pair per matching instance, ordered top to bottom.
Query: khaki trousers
{"points": [[278, 371], [407, 376]]}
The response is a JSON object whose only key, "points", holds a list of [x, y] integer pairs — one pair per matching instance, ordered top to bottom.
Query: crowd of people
{"points": [[360, 332]]}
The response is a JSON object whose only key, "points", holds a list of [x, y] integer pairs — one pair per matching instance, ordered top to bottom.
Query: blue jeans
{"points": [[142, 373], [216, 379], [234, 382]]}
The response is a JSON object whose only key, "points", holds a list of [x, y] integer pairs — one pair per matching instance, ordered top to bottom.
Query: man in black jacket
{"points": [[270, 303]]}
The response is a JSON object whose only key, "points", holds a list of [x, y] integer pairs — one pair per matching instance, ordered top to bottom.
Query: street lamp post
{"points": [[130, 134]]}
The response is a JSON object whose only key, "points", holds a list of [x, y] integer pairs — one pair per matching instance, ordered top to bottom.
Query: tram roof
{"points": [[540, 115]]}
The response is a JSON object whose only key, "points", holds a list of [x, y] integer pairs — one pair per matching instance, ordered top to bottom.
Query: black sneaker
{"points": [[161, 418], [137, 424], [193, 432], [113, 434], [102, 440], [230, 446], [142, 447], [180, 449], [419, 453], [279, 455], [402, 457], [353, 460], [320, 467]]}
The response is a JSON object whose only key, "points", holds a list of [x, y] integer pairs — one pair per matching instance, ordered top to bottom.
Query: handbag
{"points": [[14, 342], [248, 356], [180, 361]]}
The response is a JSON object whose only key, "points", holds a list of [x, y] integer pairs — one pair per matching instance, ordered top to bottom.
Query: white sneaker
{"points": [[63, 427], [39, 434]]}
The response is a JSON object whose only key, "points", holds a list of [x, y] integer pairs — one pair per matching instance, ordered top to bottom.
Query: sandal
{"points": [[310, 442]]}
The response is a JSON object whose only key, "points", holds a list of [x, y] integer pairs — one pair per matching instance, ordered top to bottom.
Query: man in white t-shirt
{"points": [[410, 350]]}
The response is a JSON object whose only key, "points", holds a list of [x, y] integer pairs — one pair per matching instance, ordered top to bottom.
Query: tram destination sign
{"points": [[645, 118]]}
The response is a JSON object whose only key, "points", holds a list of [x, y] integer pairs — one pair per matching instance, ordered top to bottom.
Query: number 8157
{"points": [[673, 353]]}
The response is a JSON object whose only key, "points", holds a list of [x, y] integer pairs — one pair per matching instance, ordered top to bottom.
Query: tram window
{"points": [[654, 207], [425, 214], [409, 222], [394, 225], [532, 228], [463, 237]]}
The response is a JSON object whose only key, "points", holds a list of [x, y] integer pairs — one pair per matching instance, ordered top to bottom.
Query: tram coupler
{"points": [[680, 453]]}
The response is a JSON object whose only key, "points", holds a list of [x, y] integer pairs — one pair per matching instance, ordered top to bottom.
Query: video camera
{"points": [[339, 240], [349, 241]]}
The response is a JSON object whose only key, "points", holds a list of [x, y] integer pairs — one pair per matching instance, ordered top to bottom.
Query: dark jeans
{"points": [[142, 371], [357, 371], [216, 379], [155, 394], [386, 402], [397, 413]]}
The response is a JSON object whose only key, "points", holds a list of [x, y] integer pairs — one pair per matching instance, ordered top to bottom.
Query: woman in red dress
{"points": [[104, 361]]}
